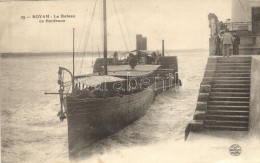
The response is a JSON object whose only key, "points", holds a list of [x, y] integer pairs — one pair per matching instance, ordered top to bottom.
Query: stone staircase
{"points": [[224, 97]]}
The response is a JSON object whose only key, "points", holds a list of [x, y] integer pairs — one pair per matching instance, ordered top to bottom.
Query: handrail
{"points": [[243, 26], [62, 68], [72, 77]]}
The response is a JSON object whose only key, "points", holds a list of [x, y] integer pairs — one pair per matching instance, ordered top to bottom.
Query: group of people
{"points": [[225, 40], [143, 58]]}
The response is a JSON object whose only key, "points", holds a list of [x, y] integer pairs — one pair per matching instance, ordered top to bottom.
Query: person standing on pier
{"points": [[228, 40], [236, 43], [219, 44], [218, 52]]}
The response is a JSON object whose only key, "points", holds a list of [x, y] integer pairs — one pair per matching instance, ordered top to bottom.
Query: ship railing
{"points": [[67, 87]]}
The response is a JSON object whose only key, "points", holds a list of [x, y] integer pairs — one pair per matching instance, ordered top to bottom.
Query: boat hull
{"points": [[91, 120]]}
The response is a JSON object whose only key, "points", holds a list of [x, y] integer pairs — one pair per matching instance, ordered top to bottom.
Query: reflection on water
{"points": [[31, 131]]}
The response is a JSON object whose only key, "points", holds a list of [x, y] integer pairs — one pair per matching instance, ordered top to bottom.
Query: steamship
{"points": [[117, 93], [101, 105]]}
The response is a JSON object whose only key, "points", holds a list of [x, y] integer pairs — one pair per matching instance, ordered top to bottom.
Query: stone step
{"points": [[231, 58], [234, 58], [245, 60], [233, 64], [233, 68], [232, 71], [232, 74], [231, 78], [231, 82], [230, 86], [230, 89], [229, 94], [217, 98], [229, 103], [228, 107], [227, 112], [227, 117], [226, 123], [230, 128]]}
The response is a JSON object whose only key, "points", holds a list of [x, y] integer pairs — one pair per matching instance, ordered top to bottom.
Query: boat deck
{"points": [[115, 74]]}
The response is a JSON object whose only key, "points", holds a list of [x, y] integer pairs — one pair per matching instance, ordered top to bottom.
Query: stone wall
{"points": [[242, 10], [254, 124]]}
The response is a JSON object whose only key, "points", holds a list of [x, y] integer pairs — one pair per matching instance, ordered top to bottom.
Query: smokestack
{"points": [[139, 42], [144, 43], [163, 48]]}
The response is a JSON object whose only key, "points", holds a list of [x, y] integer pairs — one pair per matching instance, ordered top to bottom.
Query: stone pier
{"points": [[229, 95]]}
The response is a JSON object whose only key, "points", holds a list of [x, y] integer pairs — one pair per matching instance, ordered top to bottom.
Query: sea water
{"points": [[32, 132]]}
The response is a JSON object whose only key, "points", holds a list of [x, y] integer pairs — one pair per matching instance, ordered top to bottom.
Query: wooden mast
{"points": [[105, 35], [73, 64], [73, 71]]}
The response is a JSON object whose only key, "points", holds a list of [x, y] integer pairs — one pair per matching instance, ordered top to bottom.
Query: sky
{"points": [[183, 24]]}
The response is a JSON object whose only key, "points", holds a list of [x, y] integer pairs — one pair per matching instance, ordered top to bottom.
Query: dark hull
{"points": [[92, 120]]}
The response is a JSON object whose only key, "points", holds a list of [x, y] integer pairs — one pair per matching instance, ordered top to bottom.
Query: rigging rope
{"points": [[120, 25], [83, 27], [127, 29], [87, 36], [84, 42], [92, 50], [167, 52], [79, 55]]}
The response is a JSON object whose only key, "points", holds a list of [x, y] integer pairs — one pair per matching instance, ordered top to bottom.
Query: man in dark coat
{"points": [[236, 44], [132, 60]]}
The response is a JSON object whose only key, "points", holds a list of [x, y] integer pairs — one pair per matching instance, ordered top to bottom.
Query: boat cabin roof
{"points": [[143, 51], [125, 70], [96, 80]]}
